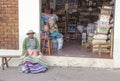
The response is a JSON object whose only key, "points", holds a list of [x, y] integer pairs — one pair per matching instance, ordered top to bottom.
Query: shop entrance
{"points": [[79, 28]]}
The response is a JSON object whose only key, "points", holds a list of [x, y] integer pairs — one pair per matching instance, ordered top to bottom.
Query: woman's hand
{"points": [[40, 53], [22, 56]]}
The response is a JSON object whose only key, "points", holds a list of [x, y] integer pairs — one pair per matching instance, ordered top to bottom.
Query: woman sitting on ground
{"points": [[32, 58]]}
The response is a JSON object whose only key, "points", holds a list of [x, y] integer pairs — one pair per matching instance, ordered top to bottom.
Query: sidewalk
{"points": [[62, 74]]}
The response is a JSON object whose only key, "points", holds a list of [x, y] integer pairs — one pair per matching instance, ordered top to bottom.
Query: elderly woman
{"points": [[32, 59]]}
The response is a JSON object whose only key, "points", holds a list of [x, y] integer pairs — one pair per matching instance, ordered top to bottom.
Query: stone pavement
{"points": [[62, 74]]}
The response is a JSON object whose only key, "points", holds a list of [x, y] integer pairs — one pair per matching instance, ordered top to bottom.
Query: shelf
{"points": [[60, 9], [61, 14], [72, 18], [61, 21], [72, 25], [61, 26], [71, 32]]}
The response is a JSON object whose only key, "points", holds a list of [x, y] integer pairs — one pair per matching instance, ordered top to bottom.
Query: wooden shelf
{"points": [[60, 8]]}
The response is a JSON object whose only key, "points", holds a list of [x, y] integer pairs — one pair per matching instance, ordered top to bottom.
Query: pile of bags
{"points": [[57, 40]]}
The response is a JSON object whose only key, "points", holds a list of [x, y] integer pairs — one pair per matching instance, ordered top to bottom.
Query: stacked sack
{"points": [[102, 29], [90, 33]]}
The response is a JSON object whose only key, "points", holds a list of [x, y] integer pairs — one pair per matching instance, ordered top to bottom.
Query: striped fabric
{"points": [[32, 65]]}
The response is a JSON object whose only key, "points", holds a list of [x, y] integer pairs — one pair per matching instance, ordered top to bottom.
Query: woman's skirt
{"points": [[32, 65]]}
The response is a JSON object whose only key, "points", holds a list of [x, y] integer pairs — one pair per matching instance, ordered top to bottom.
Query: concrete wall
{"points": [[29, 18], [116, 46]]}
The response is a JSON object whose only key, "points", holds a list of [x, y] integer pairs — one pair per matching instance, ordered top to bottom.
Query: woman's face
{"points": [[46, 10], [31, 35]]}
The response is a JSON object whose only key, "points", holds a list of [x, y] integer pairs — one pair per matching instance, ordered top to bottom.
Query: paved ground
{"points": [[62, 74]]}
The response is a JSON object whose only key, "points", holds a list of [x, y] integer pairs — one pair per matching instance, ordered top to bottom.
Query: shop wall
{"points": [[16, 18], [29, 18], [9, 33], [116, 46]]}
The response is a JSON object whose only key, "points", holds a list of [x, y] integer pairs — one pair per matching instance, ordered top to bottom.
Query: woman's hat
{"points": [[30, 32]]}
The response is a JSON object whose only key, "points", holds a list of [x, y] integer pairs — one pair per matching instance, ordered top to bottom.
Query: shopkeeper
{"points": [[49, 20], [52, 22]]}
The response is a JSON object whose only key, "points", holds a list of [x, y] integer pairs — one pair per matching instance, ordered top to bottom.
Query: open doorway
{"points": [[84, 28]]}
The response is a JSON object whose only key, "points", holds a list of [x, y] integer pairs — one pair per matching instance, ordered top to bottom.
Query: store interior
{"points": [[84, 27]]}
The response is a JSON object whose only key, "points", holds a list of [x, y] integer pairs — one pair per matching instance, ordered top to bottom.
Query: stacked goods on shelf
{"points": [[45, 3], [60, 6], [72, 6], [89, 10], [60, 11], [83, 11], [72, 19], [62, 24], [72, 25], [102, 30], [90, 33], [84, 39], [99, 39]]}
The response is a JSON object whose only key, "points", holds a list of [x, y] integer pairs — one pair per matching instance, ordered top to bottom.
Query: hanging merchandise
{"points": [[90, 3], [52, 4], [66, 6], [90, 9], [80, 28], [90, 28]]}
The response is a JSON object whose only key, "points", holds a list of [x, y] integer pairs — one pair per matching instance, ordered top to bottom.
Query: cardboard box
{"points": [[107, 7], [106, 12]]}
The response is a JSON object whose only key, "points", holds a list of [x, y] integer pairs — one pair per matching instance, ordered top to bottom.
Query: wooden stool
{"points": [[47, 41], [4, 62]]}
